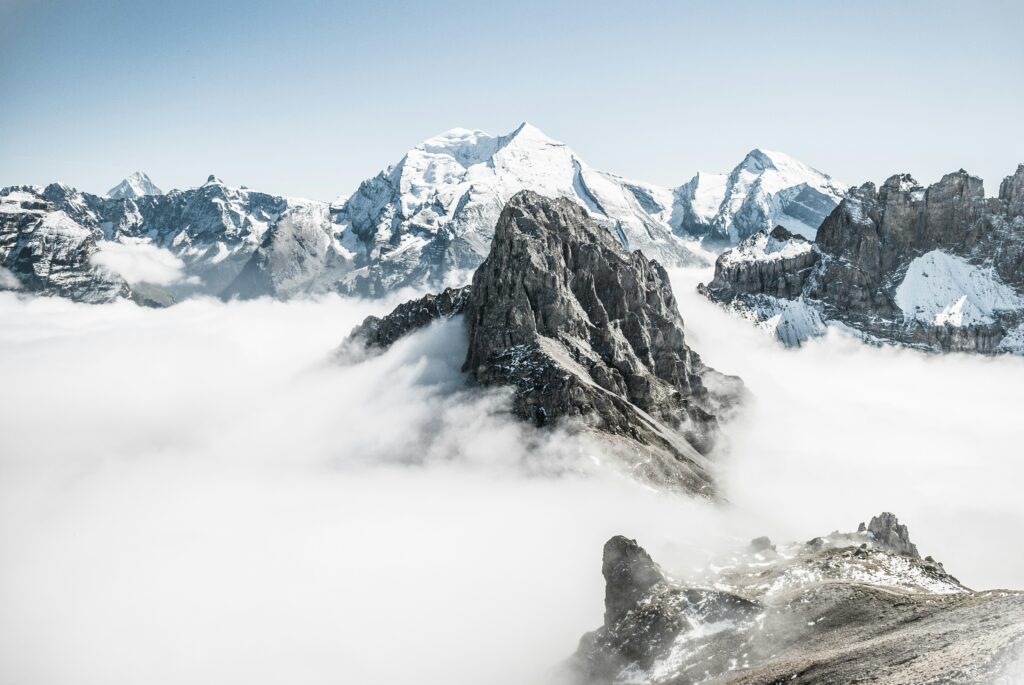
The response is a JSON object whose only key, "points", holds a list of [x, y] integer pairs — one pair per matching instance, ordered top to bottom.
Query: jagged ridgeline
{"points": [[425, 221], [938, 268], [584, 331], [844, 608]]}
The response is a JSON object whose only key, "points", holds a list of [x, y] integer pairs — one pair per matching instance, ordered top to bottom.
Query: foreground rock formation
{"points": [[938, 268], [582, 331], [849, 607]]}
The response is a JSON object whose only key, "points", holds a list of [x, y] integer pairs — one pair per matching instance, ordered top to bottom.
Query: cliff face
{"points": [[940, 268], [582, 330], [845, 608]]}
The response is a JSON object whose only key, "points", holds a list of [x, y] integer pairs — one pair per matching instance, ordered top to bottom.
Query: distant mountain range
{"points": [[426, 221], [938, 268]]}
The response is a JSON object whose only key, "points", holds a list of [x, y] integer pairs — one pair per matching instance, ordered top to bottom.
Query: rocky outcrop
{"points": [[43, 250], [938, 268], [380, 333], [584, 333], [887, 532], [849, 607]]}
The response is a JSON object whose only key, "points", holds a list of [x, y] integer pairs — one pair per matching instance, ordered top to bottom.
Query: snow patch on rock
{"points": [[764, 246], [940, 289]]}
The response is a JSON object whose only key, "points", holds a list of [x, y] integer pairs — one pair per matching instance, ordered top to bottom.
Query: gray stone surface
{"points": [[864, 248], [586, 332], [854, 607]]}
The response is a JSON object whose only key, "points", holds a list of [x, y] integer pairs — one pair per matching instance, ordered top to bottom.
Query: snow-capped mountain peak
{"points": [[212, 180], [136, 185], [766, 189]]}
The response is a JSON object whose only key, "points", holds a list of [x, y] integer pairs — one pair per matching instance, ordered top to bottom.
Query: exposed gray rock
{"points": [[43, 250], [938, 268], [583, 330], [376, 332], [887, 531], [852, 608]]}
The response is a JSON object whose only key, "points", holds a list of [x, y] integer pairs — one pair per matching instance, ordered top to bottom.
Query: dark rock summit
{"points": [[938, 268], [585, 331], [887, 531], [852, 607]]}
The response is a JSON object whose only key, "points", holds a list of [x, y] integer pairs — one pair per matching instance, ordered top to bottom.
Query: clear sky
{"points": [[307, 98]]}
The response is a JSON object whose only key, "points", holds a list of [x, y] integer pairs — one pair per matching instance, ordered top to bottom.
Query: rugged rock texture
{"points": [[766, 189], [213, 230], [43, 250], [940, 268], [583, 330], [381, 333], [853, 607]]}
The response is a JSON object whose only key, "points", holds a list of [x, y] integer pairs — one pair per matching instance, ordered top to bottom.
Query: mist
{"points": [[205, 494]]}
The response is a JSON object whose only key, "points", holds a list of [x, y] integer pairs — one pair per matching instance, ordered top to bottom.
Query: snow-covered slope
{"points": [[136, 185], [765, 190], [429, 219], [940, 288]]}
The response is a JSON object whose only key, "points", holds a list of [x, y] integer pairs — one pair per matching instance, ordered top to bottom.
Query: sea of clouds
{"points": [[208, 494]]}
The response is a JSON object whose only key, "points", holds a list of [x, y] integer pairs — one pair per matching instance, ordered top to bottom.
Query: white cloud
{"points": [[139, 262], [8, 281], [196, 494]]}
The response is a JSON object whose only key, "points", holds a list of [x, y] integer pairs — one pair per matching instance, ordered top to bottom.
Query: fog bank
{"points": [[199, 494]]}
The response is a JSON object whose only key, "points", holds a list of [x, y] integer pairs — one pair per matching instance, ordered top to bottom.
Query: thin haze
{"points": [[307, 98], [201, 488]]}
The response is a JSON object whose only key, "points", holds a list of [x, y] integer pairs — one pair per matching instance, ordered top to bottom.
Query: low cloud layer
{"points": [[139, 262], [198, 494]]}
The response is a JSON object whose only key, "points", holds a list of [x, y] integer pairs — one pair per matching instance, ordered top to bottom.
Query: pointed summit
{"points": [[135, 186]]}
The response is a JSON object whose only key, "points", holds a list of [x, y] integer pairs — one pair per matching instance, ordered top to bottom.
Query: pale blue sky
{"points": [[307, 98]]}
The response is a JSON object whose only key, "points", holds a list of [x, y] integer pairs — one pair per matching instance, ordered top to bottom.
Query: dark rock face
{"points": [[876, 242], [737, 273], [583, 330], [376, 332], [887, 531], [854, 607]]}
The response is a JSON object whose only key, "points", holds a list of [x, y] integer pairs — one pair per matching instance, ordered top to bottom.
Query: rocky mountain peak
{"points": [[587, 335], [888, 532], [629, 574]]}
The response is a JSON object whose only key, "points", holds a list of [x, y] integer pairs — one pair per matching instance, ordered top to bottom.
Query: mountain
{"points": [[135, 186], [766, 189], [428, 220], [211, 230], [44, 250], [938, 268], [588, 336], [849, 607]]}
